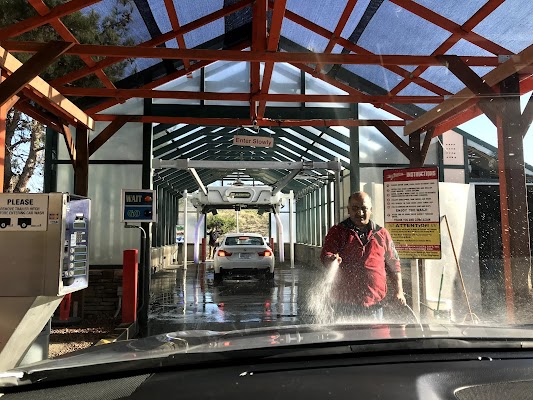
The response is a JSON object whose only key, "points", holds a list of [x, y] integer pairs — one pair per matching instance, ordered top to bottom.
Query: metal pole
{"points": [[337, 195], [291, 226], [185, 228], [415, 286]]}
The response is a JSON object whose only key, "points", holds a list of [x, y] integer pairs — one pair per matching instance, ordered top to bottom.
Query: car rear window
{"points": [[244, 240]]}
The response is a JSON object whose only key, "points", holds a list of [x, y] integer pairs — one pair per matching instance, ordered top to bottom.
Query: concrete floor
{"points": [[183, 299]]}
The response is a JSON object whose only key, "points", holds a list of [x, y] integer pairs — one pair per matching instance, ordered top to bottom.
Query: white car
{"points": [[239, 252]]}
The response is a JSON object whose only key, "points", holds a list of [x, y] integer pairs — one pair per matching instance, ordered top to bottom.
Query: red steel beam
{"points": [[278, 14], [173, 15], [479, 16], [34, 22], [340, 26], [451, 26], [63, 31], [259, 34], [154, 42], [361, 50], [251, 56], [160, 81], [526, 85], [350, 90], [262, 97], [488, 99], [461, 100], [472, 111], [527, 116], [460, 118], [241, 121], [107, 133], [397, 141], [71, 145]]}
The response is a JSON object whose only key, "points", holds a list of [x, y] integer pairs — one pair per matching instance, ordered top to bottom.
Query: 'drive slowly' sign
{"points": [[257, 141], [412, 211]]}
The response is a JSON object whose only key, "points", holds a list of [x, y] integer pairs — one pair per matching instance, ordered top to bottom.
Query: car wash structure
{"points": [[375, 85]]}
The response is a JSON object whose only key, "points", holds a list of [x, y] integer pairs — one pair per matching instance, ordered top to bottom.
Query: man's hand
{"points": [[333, 257], [400, 298]]}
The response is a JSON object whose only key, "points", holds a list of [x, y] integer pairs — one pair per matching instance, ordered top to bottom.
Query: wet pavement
{"points": [[185, 299]]}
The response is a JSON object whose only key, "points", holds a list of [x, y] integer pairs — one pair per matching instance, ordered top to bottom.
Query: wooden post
{"points": [[513, 200]]}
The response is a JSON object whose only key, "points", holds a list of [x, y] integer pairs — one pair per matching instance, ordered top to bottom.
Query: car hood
{"points": [[203, 341]]}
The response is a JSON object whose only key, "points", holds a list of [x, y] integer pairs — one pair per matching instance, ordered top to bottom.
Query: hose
{"points": [[416, 318]]}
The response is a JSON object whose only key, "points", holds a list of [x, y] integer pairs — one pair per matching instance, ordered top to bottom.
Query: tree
{"points": [[24, 136], [249, 221], [226, 223]]}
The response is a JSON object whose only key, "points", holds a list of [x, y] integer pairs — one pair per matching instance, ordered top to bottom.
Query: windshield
{"points": [[221, 175], [243, 241]]}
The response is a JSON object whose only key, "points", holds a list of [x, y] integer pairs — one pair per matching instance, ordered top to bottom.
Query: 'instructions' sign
{"points": [[412, 213]]}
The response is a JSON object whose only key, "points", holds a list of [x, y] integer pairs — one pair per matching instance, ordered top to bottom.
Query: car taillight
{"points": [[223, 253], [266, 253]]}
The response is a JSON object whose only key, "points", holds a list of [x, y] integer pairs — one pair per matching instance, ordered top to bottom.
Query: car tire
{"points": [[269, 275], [218, 277]]}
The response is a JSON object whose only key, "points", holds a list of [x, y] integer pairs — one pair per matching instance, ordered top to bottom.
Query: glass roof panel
{"points": [[315, 10], [189, 11], [458, 11], [160, 14], [355, 17], [509, 25], [137, 28], [406, 33], [204, 34], [302, 36], [466, 48], [376, 74], [227, 77], [442, 77], [285, 80], [184, 84], [318, 86], [415, 90], [368, 111], [342, 130], [314, 131], [298, 135], [286, 139], [280, 145], [375, 148], [312, 153]]}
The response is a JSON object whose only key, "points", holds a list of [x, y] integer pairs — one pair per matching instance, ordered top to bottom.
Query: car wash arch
{"points": [[263, 198]]}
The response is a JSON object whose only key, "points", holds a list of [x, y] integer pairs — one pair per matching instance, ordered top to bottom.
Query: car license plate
{"points": [[245, 255]]}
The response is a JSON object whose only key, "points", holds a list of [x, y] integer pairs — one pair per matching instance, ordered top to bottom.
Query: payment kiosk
{"points": [[44, 255]]}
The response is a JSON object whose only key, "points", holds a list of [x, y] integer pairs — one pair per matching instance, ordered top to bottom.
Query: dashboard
{"points": [[436, 375]]}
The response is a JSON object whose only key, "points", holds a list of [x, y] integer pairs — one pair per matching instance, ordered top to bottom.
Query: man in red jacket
{"points": [[366, 255]]}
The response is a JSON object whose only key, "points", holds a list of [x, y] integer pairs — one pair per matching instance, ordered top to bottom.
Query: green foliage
{"points": [[223, 221], [249, 221]]}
